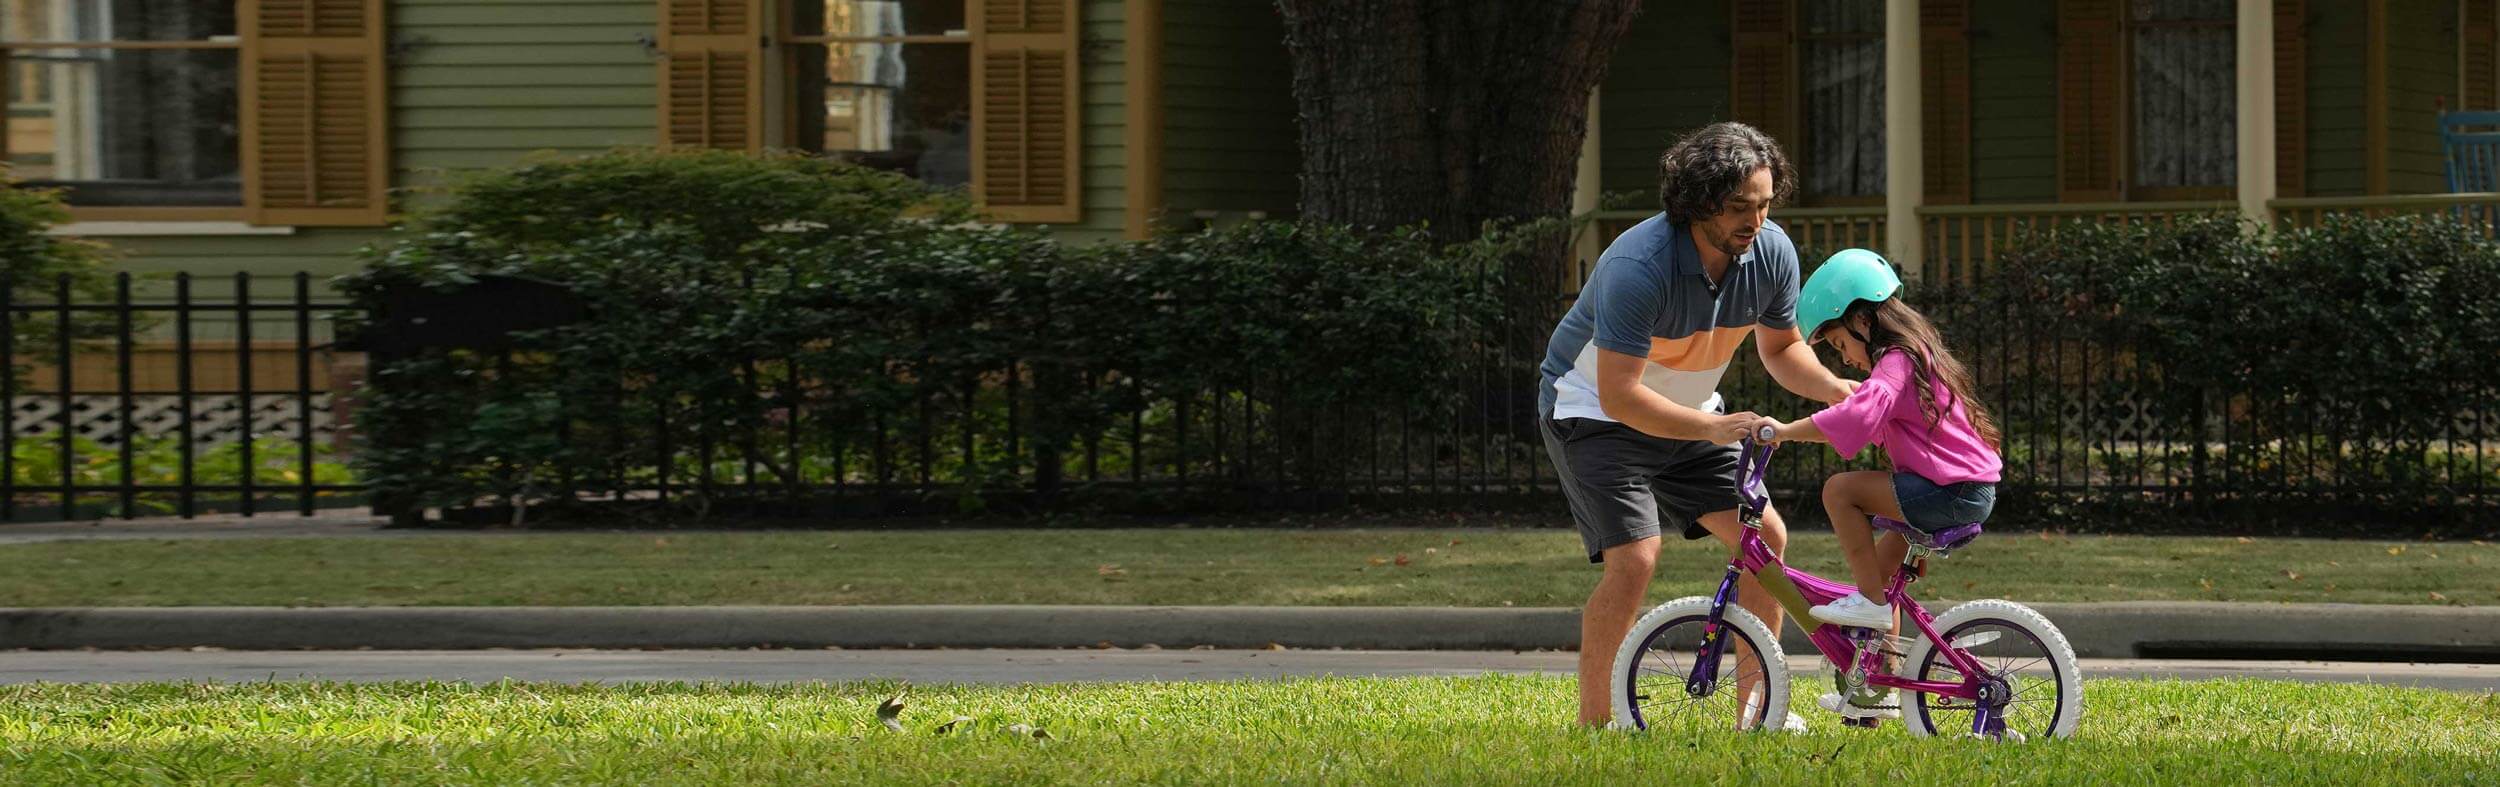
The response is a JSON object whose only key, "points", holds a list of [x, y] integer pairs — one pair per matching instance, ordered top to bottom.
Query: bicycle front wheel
{"points": [[1747, 690]]}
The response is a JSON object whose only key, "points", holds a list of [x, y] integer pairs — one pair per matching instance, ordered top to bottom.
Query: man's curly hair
{"points": [[1702, 170]]}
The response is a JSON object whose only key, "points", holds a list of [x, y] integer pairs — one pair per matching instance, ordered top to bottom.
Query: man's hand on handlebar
{"points": [[1732, 427]]}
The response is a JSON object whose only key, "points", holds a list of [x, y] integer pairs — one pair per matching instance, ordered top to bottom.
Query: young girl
{"points": [[1916, 403]]}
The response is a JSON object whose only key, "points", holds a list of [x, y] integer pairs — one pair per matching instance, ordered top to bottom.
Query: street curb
{"points": [[2108, 630]]}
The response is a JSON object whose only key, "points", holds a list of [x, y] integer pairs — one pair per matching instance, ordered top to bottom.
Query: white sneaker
{"points": [[1854, 610], [1834, 702], [1796, 724]]}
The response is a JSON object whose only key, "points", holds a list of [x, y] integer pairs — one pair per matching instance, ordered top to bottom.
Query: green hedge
{"points": [[732, 295], [2355, 358]]}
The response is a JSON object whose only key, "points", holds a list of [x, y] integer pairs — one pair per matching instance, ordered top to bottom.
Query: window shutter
{"points": [[2481, 63], [712, 74], [1764, 94], [2291, 95], [1944, 101], [2089, 109], [316, 149], [1025, 149]]}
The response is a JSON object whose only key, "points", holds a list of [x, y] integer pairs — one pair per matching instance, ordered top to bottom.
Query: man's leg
{"points": [[1749, 592], [1607, 618]]}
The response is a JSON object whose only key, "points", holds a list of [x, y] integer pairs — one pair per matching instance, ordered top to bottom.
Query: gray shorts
{"points": [[1622, 482]]}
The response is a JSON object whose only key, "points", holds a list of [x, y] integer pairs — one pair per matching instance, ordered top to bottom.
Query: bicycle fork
{"points": [[1704, 678]]}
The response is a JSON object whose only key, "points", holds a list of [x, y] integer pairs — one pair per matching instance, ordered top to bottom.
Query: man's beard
{"points": [[1733, 245]]}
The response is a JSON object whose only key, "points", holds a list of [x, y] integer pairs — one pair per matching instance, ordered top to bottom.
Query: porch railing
{"points": [[2479, 209], [1816, 231], [1963, 240]]}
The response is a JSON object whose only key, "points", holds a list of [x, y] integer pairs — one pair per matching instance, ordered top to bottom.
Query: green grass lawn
{"points": [[1463, 567], [1502, 729]]}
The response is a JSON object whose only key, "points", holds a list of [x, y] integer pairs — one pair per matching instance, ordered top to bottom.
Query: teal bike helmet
{"points": [[1848, 277]]}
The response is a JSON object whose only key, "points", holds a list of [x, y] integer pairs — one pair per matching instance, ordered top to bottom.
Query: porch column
{"points": [[2256, 108], [1905, 178], [1585, 199]]}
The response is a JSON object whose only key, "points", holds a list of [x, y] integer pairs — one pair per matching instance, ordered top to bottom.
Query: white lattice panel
{"points": [[215, 420]]}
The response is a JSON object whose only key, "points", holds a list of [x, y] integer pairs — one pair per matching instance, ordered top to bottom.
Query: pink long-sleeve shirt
{"points": [[1885, 412]]}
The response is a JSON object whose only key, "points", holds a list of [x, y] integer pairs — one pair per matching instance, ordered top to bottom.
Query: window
{"points": [[1842, 43], [886, 83], [124, 102], [2185, 118]]}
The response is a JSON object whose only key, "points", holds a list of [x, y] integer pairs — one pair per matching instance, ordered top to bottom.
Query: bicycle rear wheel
{"points": [[2024, 660]]}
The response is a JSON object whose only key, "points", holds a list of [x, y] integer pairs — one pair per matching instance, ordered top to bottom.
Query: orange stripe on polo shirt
{"points": [[1700, 352]]}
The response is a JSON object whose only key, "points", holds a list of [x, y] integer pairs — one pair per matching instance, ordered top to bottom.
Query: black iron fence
{"points": [[173, 396], [189, 396]]}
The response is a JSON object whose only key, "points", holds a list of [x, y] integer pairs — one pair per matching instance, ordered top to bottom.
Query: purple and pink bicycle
{"points": [[1990, 668]]}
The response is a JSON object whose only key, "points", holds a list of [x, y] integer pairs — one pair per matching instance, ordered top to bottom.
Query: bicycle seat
{"points": [[1945, 540]]}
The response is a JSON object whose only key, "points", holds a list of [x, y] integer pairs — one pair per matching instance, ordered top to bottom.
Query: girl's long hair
{"points": [[1896, 326]]}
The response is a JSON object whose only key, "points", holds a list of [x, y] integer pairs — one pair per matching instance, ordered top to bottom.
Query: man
{"points": [[1633, 419]]}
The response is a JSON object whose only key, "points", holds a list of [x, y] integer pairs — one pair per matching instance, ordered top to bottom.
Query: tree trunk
{"points": [[1451, 113]]}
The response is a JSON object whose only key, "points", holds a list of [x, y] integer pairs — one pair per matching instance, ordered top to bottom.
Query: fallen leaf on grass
{"points": [[2247, 540], [1456, 542], [1432, 550], [2396, 550], [1402, 560], [1380, 561], [1111, 572], [2292, 575], [2202, 582], [2435, 596], [1275, 646], [890, 712], [1027, 729]]}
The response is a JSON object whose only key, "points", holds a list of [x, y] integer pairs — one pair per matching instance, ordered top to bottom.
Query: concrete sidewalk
{"points": [[2107, 630]]}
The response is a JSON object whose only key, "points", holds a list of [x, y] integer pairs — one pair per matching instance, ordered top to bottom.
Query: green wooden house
{"points": [[214, 136], [275, 136]]}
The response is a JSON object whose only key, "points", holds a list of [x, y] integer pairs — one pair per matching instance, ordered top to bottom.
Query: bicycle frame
{"points": [[1797, 591]]}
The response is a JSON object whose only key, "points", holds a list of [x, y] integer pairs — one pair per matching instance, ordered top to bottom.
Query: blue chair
{"points": [[2471, 141], [2472, 144]]}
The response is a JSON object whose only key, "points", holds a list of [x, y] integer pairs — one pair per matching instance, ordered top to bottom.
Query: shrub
{"points": [[35, 264], [775, 313], [2374, 336]]}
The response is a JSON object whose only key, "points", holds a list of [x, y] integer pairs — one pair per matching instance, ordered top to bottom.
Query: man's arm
{"points": [[1791, 361], [1623, 397]]}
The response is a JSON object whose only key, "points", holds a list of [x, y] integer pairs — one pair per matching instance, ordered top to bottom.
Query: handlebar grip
{"points": [[1764, 434]]}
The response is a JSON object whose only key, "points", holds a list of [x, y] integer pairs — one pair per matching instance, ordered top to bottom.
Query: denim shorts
{"points": [[1931, 507]]}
